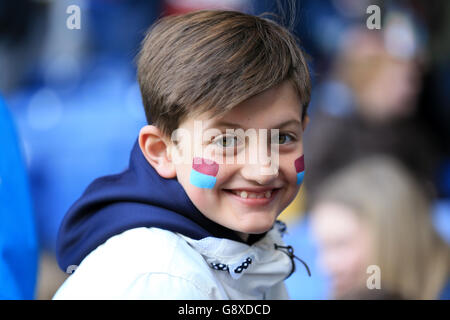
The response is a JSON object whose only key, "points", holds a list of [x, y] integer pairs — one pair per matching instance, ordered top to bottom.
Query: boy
{"points": [[188, 220]]}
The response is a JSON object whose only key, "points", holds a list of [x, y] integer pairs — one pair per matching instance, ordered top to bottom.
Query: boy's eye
{"points": [[284, 138], [226, 141]]}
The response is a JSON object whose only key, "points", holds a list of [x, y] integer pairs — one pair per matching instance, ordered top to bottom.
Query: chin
{"points": [[257, 227]]}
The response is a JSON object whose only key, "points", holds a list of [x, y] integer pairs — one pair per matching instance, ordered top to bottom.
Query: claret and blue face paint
{"points": [[300, 169], [203, 173]]}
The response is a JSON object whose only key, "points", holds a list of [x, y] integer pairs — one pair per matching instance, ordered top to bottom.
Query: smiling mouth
{"points": [[264, 195]]}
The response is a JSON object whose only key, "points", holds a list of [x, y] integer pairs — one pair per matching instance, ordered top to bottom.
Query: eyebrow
{"points": [[237, 125]]}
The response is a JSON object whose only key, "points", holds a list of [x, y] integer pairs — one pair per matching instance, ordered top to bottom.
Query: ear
{"points": [[305, 122], [157, 150]]}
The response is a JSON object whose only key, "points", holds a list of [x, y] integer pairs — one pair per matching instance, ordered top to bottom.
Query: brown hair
{"points": [[212, 60], [413, 258]]}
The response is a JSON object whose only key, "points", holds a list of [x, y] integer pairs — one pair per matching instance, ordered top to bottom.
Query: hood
{"points": [[137, 197]]}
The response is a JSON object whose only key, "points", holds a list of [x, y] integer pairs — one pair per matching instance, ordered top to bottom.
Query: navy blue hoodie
{"points": [[138, 197]]}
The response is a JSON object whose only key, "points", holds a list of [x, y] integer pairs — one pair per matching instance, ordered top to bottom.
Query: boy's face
{"points": [[233, 189]]}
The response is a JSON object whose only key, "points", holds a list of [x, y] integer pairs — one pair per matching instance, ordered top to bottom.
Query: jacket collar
{"points": [[250, 269]]}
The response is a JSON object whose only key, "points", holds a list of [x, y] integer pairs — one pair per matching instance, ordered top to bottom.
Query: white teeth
{"points": [[253, 195]]}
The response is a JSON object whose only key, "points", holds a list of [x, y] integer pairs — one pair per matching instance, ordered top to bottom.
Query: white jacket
{"points": [[151, 263]]}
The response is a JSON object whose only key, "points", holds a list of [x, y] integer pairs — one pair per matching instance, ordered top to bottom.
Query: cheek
{"points": [[299, 165], [293, 170], [203, 173], [199, 180], [199, 196]]}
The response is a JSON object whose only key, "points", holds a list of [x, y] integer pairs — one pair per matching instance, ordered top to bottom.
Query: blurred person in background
{"points": [[384, 86], [368, 106], [374, 212], [18, 241]]}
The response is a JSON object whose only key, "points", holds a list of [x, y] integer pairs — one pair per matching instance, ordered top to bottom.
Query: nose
{"points": [[261, 163], [263, 174]]}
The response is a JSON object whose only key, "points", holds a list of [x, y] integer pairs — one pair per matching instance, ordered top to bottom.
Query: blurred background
{"points": [[70, 111]]}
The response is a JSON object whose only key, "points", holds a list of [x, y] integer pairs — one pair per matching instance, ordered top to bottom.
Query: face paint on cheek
{"points": [[300, 169], [203, 173]]}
